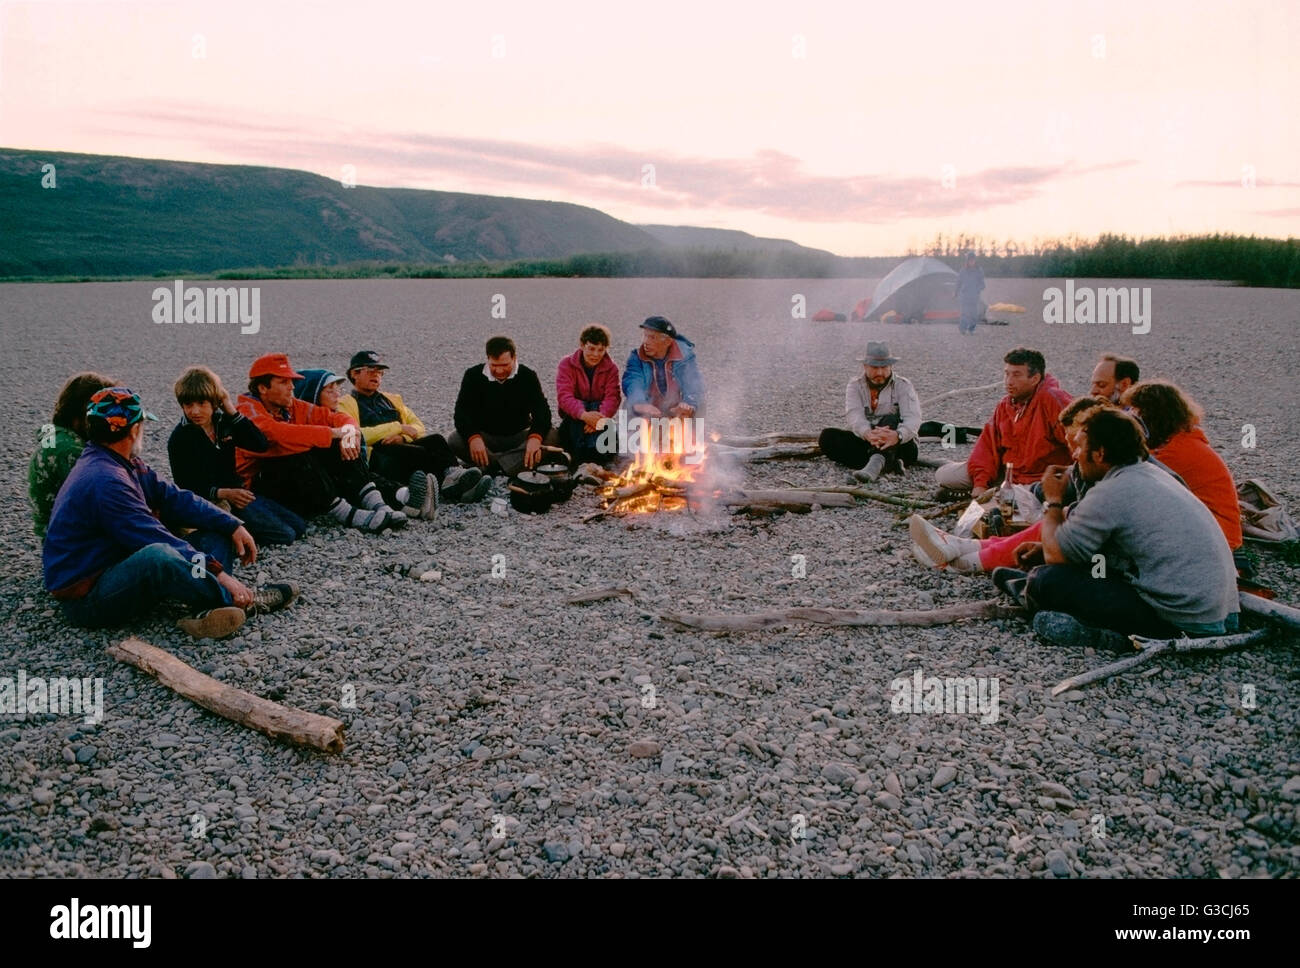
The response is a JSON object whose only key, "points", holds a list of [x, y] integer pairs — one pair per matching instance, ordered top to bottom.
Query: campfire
{"points": [[667, 479]]}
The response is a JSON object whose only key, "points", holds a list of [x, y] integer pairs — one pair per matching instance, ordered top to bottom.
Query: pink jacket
{"points": [[573, 390]]}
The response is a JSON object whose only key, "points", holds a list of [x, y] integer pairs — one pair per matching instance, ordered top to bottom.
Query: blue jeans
{"points": [[969, 317], [270, 522], [213, 545], [134, 585]]}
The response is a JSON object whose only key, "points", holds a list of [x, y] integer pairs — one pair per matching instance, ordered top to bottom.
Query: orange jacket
{"points": [[293, 431], [1031, 441], [1189, 455]]}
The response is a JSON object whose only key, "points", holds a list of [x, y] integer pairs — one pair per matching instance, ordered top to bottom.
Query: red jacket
{"points": [[573, 390], [293, 431], [1030, 441], [1189, 455]]}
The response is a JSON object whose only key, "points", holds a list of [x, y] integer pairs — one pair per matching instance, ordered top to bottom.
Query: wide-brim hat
{"points": [[878, 355]]}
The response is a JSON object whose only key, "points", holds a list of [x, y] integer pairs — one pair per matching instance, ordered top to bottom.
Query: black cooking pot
{"points": [[562, 483], [531, 493]]}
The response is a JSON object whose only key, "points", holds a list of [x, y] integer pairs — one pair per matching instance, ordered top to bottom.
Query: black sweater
{"points": [[484, 406], [202, 465]]}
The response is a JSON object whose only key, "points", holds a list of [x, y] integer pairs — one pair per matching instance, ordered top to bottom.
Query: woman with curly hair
{"points": [[1174, 435], [59, 444]]}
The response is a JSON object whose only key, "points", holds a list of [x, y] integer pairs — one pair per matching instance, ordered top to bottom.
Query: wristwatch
{"points": [[1053, 504]]}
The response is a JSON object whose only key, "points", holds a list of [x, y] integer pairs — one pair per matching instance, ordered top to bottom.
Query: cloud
{"points": [[770, 182], [1259, 183], [1280, 212]]}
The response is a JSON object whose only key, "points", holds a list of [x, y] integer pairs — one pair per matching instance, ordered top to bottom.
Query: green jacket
{"points": [[57, 449]]}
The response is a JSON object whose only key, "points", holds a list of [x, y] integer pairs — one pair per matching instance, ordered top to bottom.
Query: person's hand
{"points": [[226, 403], [647, 410], [682, 410], [591, 420], [411, 430], [886, 437], [394, 439], [349, 441], [478, 451], [532, 452], [1054, 480], [982, 495], [237, 496], [244, 544], [1029, 554], [240, 594]]}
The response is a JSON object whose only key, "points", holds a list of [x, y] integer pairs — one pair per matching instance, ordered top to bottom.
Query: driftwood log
{"points": [[959, 391], [766, 440], [746, 455], [792, 499], [1275, 613], [848, 617], [1151, 648], [279, 722]]}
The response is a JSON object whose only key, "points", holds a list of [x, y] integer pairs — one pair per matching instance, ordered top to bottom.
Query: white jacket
{"points": [[898, 396]]}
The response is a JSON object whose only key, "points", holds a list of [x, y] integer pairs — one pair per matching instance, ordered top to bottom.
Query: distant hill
{"points": [[112, 215], [727, 240]]}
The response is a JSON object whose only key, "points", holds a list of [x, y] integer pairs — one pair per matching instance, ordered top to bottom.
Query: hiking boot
{"points": [[871, 473], [458, 480], [477, 492], [422, 499], [381, 519], [938, 549], [1012, 582], [273, 597], [215, 623], [1061, 628]]}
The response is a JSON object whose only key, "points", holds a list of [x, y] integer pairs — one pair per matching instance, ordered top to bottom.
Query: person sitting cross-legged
{"points": [[587, 392], [884, 415], [502, 417], [1024, 431], [59, 444], [400, 447], [201, 451], [313, 465], [939, 549], [1139, 555], [108, 558]]}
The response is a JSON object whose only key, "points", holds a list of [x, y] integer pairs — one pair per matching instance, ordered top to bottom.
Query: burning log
{"points": [[279, 722]]}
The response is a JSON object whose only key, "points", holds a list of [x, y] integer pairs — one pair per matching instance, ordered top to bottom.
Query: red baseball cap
{"points": [[272, 364]]}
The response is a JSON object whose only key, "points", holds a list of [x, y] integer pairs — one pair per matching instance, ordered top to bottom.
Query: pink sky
{"points": [[830, 124]]}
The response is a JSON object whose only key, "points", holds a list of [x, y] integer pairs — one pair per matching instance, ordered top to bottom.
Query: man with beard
{"points": [[1113, 375], [884, 415], [108, 557]]}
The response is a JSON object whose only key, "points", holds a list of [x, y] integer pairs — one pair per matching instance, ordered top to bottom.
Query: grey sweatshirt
{"points": [[1155, 534]]}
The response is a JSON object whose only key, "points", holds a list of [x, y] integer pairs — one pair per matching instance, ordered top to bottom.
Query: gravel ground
{"points": [[497, 731]]}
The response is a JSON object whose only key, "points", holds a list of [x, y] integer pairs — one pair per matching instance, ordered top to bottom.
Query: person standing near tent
{"points": [[970, 283]]}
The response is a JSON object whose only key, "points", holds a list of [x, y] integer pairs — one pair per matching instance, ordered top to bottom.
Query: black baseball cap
{"points": [[660, 325], [366, 358]]}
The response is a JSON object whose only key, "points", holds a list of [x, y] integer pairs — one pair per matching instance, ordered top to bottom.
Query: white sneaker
{"points": [[938, 549]]}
